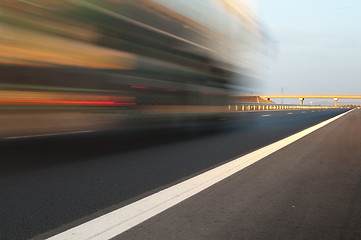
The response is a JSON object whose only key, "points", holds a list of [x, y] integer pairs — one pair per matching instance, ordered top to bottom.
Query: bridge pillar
{"points": [[301, 101], [335, 101]]}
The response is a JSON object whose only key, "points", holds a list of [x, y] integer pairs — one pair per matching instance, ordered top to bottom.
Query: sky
{"points": [[317, 47]]}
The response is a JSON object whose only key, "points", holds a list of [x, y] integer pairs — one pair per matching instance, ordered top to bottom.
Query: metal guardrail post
{"points": [[260, 107]]}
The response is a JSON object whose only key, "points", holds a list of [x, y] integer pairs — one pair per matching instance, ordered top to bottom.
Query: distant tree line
{"points": [[350, 106]]}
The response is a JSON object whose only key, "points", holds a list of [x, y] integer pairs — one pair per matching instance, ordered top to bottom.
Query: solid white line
{"points": [[49, 134], [122, 219]]}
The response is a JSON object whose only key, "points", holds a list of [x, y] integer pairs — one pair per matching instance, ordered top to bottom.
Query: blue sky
{"points": [[318, 46]]}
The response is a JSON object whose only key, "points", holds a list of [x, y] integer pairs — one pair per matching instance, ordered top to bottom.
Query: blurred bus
{"points": [[69, 66]]}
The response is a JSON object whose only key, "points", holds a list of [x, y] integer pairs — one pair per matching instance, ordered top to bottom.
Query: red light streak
{"points": [[139, 87], [109, 103]]}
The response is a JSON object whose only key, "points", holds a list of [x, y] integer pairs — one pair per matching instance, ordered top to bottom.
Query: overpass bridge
{"points": [[302, 97]]}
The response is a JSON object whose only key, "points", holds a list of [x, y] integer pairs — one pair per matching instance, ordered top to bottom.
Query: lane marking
{"points": [[289, 113], [267, 115], [49, 134], [114, 223]]}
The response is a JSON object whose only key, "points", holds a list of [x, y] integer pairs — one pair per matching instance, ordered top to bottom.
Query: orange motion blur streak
{"points": [[68, 102]]}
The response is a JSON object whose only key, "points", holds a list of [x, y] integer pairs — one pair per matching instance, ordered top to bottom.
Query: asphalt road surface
{"points": [[309, 190]]}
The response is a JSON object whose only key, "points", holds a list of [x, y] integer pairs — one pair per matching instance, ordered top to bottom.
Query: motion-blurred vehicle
{"points": [[91, 65]]}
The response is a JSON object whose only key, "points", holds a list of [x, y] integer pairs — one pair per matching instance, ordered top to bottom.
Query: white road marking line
{"points": [[289, 113], [267, 115], [49, 134], [114, 223]]}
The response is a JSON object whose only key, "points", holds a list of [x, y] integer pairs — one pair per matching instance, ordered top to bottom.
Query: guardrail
{"points": [[266, 106]]}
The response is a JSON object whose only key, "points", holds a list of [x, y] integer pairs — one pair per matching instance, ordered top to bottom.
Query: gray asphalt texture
{"points": [[51, 184], [311, 189]]}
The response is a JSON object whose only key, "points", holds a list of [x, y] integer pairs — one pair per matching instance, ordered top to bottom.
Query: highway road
{"points": [[309, 189]]}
